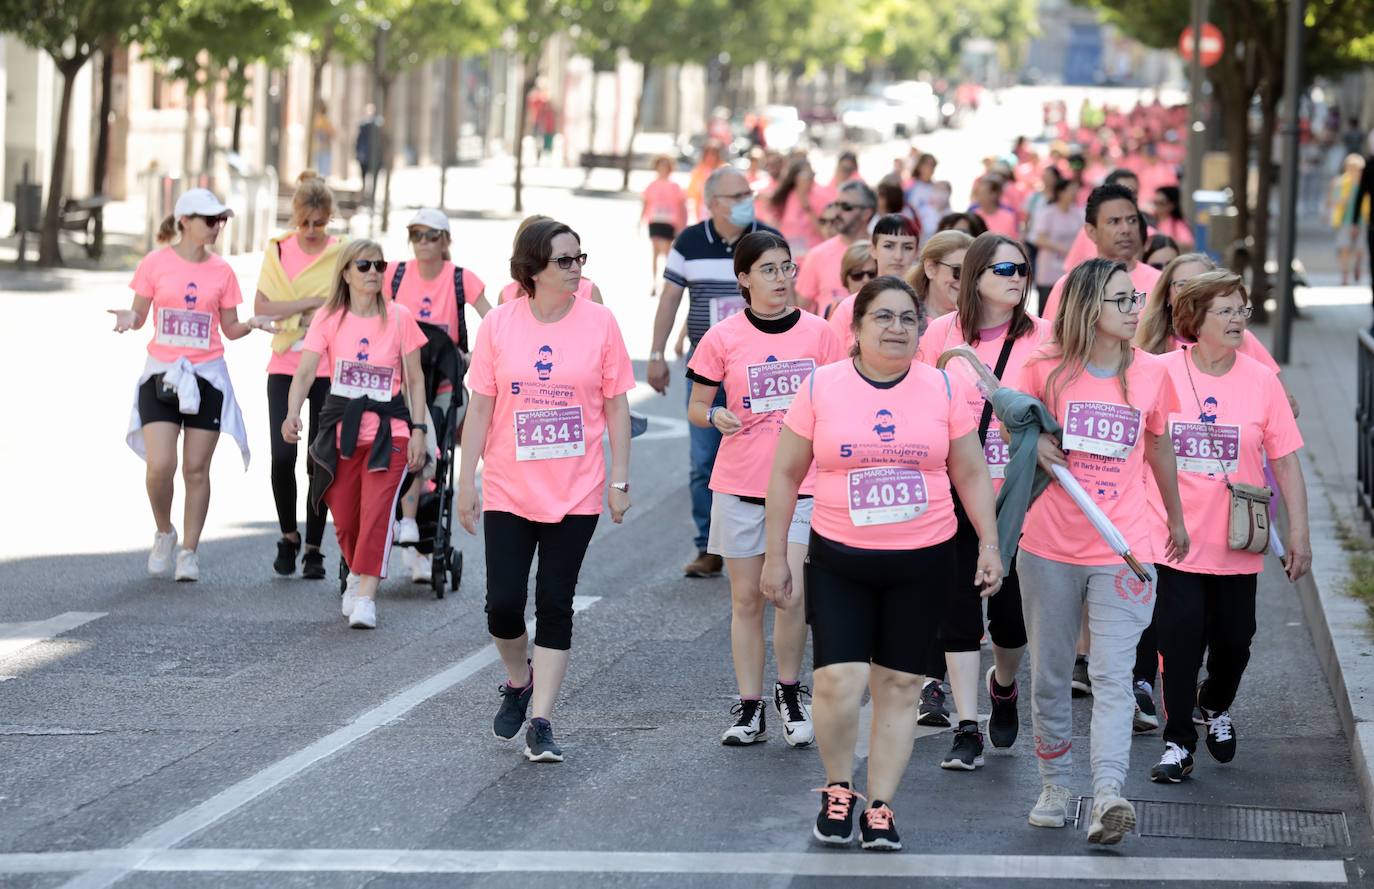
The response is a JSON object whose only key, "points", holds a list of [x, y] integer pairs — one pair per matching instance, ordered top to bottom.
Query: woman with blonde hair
{"points": [[1347, 218], [858, 266], [297, 274], [935, 277], [1112, 402], [365, 443]]}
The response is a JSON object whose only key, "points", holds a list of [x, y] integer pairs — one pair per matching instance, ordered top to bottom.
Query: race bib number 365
{"points": [[183, 328], [358, 379], [774, 384], [1102, 428], [550, 433], [1206, 447], [997, 453], [886, 495]]}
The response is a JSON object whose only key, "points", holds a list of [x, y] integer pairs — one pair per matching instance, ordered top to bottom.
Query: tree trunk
{"points": [[317, 62], [529, 70], [1233, 96], [448, 128], [634, 130], [188, 138], [102, 141], [237, 141], [388, 146], [207, 153], [49, 252], [1259, 280]]}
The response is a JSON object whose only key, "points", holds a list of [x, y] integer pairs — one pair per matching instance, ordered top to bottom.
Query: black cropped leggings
{"points": [[284, 456]]}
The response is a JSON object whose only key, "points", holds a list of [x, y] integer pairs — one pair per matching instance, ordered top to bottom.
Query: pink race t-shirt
{"points": [[665, 201], [1001, 221], [1083, 248], [294, 260], [1143, 278], [819, 281], [512, 290], [187, 299], [432, 300], [841, 322], [944, 334], [1249, 345], [368, 355], [762, 364], [550, 383], [1232, 422], [1104, 437], [880, 450]]}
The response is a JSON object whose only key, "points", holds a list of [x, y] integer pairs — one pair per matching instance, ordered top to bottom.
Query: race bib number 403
{"points": [[183, 328], [358, 379], [774, 384], [1102, 428], [549, 433], [1206, 447], [886, 495]]}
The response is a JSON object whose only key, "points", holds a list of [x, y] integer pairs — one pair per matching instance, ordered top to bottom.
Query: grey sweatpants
{"points": [[1053, 596]]}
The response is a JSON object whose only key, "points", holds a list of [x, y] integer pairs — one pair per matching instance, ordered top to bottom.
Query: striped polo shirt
{"points": [[704, 263]]}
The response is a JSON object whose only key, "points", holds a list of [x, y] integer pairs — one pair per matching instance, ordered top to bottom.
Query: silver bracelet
{"points": [[989, 546]]}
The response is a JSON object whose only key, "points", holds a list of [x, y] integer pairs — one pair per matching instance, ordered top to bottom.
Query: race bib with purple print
{"points": [[723, 307], [183, 328], [358, 379], [773, 384], [1102, 428], [549, 433], [1206, 447], [997, 453], [886, 495]]}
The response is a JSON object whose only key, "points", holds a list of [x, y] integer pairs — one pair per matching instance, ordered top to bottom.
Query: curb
{"points": [[1341, 632]]}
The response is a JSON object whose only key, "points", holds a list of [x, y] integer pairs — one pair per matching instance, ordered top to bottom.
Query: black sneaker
{"points": [[285, 563], [312, 565], [1082, 683], [933, 711], [511, 715], [1198, 718], [1146, 719], [1004, 722], [750, 726], [1221, 735], [539, 743], [966, 754], [1175, 765], [835, 823], [879, 828]]}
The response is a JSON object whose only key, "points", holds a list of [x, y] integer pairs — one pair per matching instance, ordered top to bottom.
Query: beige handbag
{"points": [[1249, 528]]}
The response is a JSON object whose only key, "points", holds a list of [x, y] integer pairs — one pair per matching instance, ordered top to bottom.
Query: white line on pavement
{"points": [[18, 636], [192, 821], [803, 864]]}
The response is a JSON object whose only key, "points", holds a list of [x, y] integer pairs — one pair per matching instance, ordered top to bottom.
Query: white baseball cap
{"points": [[200, 202], [430, 218]]}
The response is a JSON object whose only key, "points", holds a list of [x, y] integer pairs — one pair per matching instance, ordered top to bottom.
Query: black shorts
{"points": [[662, 230], [151, 410], [875, 605], [961, 621]]}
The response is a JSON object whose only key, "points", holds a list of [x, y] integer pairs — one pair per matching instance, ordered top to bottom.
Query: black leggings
{"points": [[284, 456], [511, 544], [1195, 613]]}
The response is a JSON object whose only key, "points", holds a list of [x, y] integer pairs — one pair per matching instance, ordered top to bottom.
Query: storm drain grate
{"points": [[1242, 824]]}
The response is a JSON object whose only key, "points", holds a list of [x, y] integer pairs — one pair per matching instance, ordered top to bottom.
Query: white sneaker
{"points": [[407, 531], [164, 545], [188, 565], [419, 566], [350, 596], [364, 616], [794, 714], [1052, 808], [1112, 818]]}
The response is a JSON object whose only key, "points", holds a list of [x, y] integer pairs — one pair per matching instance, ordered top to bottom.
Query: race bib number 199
{"points": [[1102, 428], [550, 433], [886, 495]]}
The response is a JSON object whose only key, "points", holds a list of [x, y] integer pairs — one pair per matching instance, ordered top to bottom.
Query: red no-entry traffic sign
{"points": [[1212, 44]]}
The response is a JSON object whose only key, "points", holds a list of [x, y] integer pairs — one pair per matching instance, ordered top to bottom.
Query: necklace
{"points": [[778, 314]]}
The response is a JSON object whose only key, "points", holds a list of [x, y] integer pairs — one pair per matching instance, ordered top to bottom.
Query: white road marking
{"points": [[16, 637], [182, 827], [800, 864]]}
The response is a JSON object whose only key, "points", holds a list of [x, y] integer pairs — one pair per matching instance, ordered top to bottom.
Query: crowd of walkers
{"points": [[1039, 424]]}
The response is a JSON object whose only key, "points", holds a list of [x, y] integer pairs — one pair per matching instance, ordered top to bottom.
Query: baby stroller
{"points": [[443, 363]]}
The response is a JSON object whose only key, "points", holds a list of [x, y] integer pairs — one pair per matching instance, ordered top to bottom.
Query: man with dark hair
{"points": [[368, 148], [1112, 222], [1083, 246], [819, 284]]}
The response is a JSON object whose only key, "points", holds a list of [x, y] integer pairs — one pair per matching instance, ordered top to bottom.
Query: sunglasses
{"points": [[847, 207], [213, 221], [429, 236], [566, 262], [370, 265], [1007, 269], [954, 270], [863, 275]]}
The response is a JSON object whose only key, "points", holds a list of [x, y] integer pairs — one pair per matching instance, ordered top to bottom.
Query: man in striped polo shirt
{"points": [[703, 262]]}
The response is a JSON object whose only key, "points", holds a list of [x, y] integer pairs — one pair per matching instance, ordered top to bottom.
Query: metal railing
{"points": [[1364, 425]]}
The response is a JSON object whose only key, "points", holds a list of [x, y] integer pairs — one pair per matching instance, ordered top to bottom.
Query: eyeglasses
{"points": [[847, 207], [213, 221], [429, 236], [566, 262], [370, 265], [1008, 269], [954, 270], [775, 272], [863, 274], [1127, 305], [1230, 312], [884, 318]]}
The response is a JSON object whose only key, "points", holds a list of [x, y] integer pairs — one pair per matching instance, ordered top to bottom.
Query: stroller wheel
{"points": [[455, 560], [437, 577]]}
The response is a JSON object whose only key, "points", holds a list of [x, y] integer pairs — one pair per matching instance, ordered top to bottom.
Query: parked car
{"points": [[919, 107], [870, 118], [783, 127]]}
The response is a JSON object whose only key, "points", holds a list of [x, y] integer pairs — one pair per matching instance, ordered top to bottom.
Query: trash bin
{"points": [[28, 207], [1215, 222]]}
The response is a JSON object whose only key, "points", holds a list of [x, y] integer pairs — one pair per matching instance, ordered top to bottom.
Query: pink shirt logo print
{"points": [[191, 295], [426, 310], [364, 348], [544, 365], [884, 426]]}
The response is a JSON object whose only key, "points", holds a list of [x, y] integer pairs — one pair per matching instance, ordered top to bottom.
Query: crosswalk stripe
{"points": [[15, 637]]}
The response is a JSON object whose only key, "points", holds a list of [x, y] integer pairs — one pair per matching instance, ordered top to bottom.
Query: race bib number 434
{"points": [[774, 384], [1102, 428], [549, 433], [886, 495]]}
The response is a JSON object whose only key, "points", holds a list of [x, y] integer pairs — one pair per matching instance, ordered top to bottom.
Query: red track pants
{"points": [[363, 505]]}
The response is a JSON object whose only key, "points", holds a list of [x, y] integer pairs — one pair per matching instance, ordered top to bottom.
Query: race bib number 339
{"points": [[358, 379], [774, 384], [1102, 428], [549, 433], [886, 495]]}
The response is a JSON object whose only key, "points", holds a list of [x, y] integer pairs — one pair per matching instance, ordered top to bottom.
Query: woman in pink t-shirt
{"points": [[987, 203], [797, 205], [665, 212], [894, 247], [296, 277], [936, 277], [585, 288], [194, 298], [993, 321], [761, 356], [549, 375], [376, 401], [1112, 401], [1233, 415], [891, 439]]}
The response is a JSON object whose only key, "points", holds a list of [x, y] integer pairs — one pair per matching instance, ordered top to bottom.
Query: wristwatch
{"points": [[423, 427], [622, 487]]}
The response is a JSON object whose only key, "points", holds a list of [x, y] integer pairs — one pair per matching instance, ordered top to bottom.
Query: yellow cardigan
{"points": [[316, 280]]}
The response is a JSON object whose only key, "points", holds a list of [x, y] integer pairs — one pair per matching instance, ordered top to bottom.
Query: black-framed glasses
{"points": [[213, 221], [429, 235], [566, 262], [370, 265], [1008, 269], [954, 270], [772, 272], [863, 274], [1126, 305], [886, 318]]}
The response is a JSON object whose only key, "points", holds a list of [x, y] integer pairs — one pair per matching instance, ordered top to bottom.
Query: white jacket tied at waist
{"points": [[181, 375]]}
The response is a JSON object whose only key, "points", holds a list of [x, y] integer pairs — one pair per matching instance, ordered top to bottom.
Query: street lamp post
{"points": [[1196, 126], [1288, 178]]}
